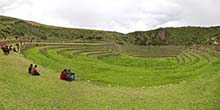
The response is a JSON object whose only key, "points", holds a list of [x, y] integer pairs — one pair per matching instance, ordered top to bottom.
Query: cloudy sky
{"points": [[115, 15]]}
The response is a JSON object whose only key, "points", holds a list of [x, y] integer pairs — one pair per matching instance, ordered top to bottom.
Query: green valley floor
{"points": [[21, 91]]}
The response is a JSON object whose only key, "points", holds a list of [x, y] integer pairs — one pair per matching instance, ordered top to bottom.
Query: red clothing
{"points": [[4, 48], [34, 70], [63, 75]]}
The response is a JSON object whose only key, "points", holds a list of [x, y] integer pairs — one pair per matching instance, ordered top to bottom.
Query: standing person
{"points": [[21, 42], [18, 47], [30, 68], [35, 71], [63, 74]]}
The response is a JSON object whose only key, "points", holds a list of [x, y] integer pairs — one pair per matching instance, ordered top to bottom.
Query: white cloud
{"points": [[115, 15]]}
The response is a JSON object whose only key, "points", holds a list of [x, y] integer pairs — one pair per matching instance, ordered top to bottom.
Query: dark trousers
{"points": [[36, 74]]}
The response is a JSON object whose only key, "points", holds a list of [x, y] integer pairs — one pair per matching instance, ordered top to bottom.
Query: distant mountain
{"points": [[12, 27], [177, 36]]}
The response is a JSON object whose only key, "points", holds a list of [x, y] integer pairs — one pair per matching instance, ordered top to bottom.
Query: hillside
{"points": [[12, 27], [15, 27], [177, 36], [111, 76], [109, 81]]}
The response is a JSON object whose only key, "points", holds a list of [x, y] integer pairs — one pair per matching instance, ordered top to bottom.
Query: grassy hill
{"points": [[12, 27], [15, 27], [177, 36], [112, 76], [108, 80]]}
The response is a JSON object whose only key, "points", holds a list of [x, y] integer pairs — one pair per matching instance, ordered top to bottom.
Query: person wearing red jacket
{"points": [[5, 49], [34, 71], [63, 74]]}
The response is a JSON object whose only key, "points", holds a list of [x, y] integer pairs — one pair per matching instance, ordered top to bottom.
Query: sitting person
{"points": [[10, 48], [5, 49], [14, 49], [30, 68], [34, 71], [63, 74], [70, 76]]}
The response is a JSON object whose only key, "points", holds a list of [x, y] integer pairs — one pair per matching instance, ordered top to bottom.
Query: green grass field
{"points": [[111, 77]]}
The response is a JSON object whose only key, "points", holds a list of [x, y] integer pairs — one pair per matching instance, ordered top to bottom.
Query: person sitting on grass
{"points": [[10, 48], [5, 49], [14, 49], [30, 68], [34, 71], [63, 74], [70, 76]]}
